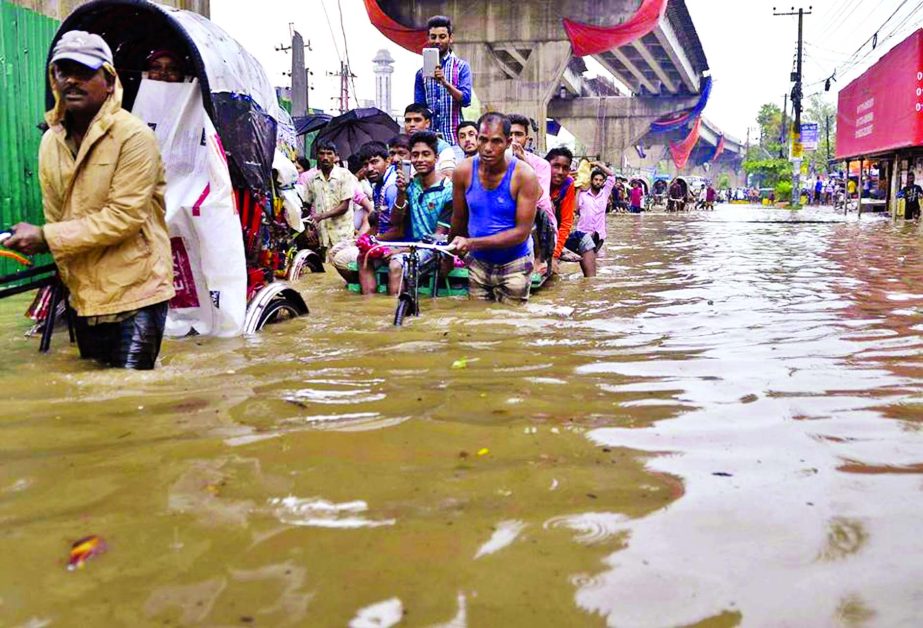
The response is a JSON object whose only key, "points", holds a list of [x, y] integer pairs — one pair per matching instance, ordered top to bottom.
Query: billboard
{"points": [[882, 110], [810, 136]]}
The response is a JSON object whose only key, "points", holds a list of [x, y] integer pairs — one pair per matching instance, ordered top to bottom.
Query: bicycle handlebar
{"points": [[441, 248]]}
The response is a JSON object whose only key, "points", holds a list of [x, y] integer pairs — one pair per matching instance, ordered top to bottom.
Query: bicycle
{"points": [[408, 299]]}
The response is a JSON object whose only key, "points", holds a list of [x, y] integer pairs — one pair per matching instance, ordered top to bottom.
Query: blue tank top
{"points": [[493, 211]]}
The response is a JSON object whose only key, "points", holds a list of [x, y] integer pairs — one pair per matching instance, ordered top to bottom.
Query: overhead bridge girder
{"points": [[611, 124]]}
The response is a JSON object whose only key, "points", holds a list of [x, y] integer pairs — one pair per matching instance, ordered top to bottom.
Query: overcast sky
{"points": [[750, 52]]}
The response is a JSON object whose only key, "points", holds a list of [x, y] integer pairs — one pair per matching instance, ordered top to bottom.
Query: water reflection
{"points": [[722, 427]]}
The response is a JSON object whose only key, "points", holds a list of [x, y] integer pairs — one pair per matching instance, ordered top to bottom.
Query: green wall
{"points": [[24, 40]]}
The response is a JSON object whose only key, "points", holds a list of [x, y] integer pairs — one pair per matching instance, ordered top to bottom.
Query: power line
{"points": [[841, 19], [332, 36], [854, 59], [352, 77]]}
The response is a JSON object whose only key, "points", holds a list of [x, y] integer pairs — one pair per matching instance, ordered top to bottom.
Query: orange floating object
{"points": [[16, 257], [85, 549]]}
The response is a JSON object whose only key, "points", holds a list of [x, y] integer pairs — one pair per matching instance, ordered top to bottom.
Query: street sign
{"points": [[810, 135], [797, 150]]}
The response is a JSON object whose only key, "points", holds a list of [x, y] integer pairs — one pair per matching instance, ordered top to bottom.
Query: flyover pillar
{"points": [[527, 87]]}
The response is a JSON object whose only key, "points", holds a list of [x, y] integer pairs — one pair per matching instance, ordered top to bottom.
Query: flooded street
{"points": [[723, 427]]}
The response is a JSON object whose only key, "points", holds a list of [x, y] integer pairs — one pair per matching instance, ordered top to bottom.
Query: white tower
{"points": [[384, 68]]}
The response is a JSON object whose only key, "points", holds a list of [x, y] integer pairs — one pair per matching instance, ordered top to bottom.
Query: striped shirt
{"points": [[447, 113]]}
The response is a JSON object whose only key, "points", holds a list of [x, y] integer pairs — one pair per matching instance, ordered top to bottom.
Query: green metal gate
{"points": [[24, 40]]}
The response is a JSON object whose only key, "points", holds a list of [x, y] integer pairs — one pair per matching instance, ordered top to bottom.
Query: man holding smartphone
{"points": [[448, 89]]}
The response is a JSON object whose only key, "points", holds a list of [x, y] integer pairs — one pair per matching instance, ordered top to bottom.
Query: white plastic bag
{"points": [[210, 271]]}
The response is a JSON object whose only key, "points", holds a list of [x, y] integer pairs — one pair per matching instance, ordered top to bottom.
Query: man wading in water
{"points": [[103, 192], [494, 201]]}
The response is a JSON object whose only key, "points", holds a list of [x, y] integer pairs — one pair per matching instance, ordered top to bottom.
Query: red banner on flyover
{"points": [[413, 39], [587, 39], [882, 110], [682, 150]]}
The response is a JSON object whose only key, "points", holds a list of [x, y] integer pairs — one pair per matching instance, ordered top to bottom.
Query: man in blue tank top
{"points": [[494, 202]]}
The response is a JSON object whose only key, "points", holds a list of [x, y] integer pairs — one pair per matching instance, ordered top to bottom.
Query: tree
{"points": [[820, 111], [770, 121], [768, 172]]}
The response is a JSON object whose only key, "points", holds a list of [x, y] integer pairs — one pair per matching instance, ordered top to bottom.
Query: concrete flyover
{"points": [[522, 61], [652, 154]]}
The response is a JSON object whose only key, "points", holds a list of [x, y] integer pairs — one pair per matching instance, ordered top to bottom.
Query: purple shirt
{"points": [[592, 208]]}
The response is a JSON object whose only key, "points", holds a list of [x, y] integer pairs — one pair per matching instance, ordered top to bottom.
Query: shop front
{"points": [[880, 127]]}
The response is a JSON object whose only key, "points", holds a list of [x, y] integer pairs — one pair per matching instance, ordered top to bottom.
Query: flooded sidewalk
{"points": [[722, 427]]}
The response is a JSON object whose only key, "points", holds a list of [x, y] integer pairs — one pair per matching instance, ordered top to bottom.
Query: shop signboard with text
{"points": [[882, 110], [810, 136]]}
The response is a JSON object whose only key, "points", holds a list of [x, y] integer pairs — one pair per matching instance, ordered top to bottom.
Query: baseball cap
{"points": [[84, 48]]}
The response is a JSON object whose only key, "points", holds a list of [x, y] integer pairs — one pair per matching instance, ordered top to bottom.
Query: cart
{"points": [[241, 107], [675, 202]]}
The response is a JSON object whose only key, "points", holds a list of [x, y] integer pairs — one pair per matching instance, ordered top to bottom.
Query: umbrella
{"points": [[311, 122], [357, 127]]}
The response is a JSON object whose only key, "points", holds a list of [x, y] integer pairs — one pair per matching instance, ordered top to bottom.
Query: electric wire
{"points": [[332, 36], [349, 66]]}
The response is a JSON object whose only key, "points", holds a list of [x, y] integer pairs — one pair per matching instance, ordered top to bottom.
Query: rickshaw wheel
{"points": [[305, 260], [274, 303]]}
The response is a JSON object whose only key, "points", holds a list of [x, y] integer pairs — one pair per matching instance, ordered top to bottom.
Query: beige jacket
{"points": [[104, 210]]}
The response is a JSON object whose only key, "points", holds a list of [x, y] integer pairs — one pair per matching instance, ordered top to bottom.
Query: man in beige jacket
{"points": [[103, 186]]}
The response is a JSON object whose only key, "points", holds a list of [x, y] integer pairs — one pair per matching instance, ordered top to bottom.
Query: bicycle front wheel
{"points": [[401, 311]]}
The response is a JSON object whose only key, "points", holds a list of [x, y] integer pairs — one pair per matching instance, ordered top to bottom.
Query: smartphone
{"points": [[430, 61], [407, 167]]}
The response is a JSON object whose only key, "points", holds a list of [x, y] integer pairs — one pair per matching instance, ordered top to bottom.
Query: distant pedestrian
{"points": [[449, 89], [103, 187], [911, 194], [635, 197], [591, 203]]}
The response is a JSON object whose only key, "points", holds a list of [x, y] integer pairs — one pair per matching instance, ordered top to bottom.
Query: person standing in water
{"points": [[103, 187], [494, 203]]}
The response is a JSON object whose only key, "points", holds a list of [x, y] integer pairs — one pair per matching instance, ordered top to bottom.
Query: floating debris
{"points": [[85, 549]]}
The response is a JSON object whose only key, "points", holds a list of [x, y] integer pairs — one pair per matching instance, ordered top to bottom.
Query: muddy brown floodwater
{"points": [[723, 428]]}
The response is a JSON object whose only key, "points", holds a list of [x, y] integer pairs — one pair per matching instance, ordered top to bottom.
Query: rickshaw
{"points": [[240, 106], [645, 190], [659, 195], [678, 203], [431, 282]]}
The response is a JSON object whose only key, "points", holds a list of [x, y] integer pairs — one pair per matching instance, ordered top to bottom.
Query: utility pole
{"points": [[299, 74], [345, 76], [827, 120], [797, 150]]}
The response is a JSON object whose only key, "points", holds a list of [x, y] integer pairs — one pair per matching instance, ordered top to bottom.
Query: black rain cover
{"points": [[249, 138]]}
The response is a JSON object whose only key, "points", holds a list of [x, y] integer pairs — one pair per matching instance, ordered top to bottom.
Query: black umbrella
{"points": [[311, 122], [357, 127]]}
